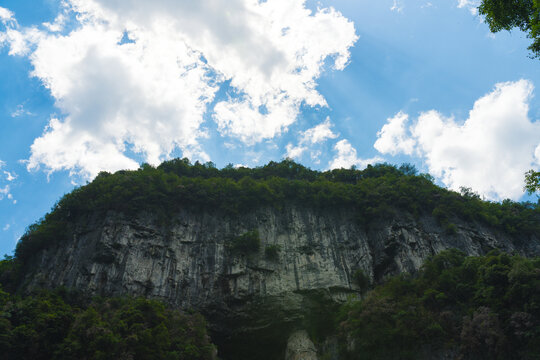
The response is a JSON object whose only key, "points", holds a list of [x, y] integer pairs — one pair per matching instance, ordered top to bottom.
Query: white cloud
{"points": [[472, 5], [397, 6], [6, 15], [58, 24], [19, 41], [149, 96], [319, 133], [316, 135], [392, 138], [490, 151], [295, 152], [347, 157], [10, 176], [5, 191], [6, 227]]}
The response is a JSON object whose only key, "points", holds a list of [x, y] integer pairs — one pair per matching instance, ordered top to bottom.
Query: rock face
{"points": [[187, 262], [300, 347]]}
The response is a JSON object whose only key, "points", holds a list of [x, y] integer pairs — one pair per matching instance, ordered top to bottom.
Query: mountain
{"points": [[268, 254]]}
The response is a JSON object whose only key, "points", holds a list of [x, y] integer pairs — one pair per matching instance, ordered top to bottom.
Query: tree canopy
{"points": [[509, 14], [532, 181], [63, 325]]}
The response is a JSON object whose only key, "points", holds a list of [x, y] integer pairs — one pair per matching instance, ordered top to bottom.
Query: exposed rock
{"points": [[300, 347]]}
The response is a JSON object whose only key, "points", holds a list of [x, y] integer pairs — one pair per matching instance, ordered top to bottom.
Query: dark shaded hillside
{"points": [[378, 192], [458, 307], [64, 325]]}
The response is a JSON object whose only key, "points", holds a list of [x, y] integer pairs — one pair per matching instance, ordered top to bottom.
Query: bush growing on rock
{"points": [[247, 243], [272, 252]]}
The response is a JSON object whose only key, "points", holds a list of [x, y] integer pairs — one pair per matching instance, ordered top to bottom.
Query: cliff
{"points": [[190, 262]]}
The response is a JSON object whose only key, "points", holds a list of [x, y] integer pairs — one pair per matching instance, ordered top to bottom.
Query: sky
{"points": [[103, 85]]}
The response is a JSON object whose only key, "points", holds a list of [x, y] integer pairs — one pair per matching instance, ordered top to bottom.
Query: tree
{"points": [[509, 14], [532, 181]]}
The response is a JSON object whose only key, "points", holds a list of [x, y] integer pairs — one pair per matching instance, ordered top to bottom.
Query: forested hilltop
{"points": [[375, 193]]}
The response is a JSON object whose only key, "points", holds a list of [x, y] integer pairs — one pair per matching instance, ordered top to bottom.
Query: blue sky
{"points": [[90, 85]]}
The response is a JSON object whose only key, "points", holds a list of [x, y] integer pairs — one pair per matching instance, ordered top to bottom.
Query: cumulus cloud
{"points": [[58, 24], [149, 95], [319, 133], [310, 137], [392, 138], [295, 152], [489, 152], [347, 157]]}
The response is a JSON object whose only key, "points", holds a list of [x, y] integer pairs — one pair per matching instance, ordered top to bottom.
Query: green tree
{"points": [[509, 14], [532, 181]]}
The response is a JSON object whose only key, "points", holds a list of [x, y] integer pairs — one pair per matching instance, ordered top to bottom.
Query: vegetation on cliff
{"points": [[375, 193], [485, 307], [62, 325]]}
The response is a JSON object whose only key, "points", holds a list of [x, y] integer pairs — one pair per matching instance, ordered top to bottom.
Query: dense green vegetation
{"points": [[532, 182], [375, 193], [479, 307], [61, 325]]}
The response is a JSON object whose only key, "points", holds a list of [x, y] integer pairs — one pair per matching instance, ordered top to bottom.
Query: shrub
{"points": [[249, 242], [272, 252], [362, 280]]}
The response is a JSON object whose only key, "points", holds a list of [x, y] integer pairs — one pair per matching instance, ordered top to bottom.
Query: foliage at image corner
{"points": [[509, 14], [376, 193]]}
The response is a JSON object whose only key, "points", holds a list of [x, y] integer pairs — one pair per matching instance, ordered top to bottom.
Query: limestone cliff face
{"points": [[187, 263]]}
